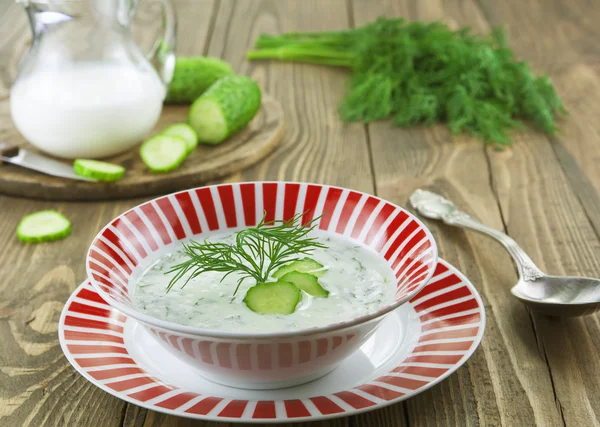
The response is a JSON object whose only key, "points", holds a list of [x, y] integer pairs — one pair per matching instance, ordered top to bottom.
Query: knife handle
{"points": [[7, 150]]}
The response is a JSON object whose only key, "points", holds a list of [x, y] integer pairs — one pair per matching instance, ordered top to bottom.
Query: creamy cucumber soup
{"points": [[333, 280]]}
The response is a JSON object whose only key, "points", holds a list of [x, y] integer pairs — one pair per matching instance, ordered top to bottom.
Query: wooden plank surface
{"points": [[405, 160], [544, 200], [530, 370]]}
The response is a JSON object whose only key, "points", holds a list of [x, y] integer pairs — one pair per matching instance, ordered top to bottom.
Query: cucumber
{"points": [[193, 75], [225, 108], [185, 132], [163, 153], [101, 171], [43, 226], [304, 265], [306, 282], [273, 298]]}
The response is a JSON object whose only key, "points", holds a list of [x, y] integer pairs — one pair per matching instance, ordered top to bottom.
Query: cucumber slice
{"points": [[193, 75], [225, 108], [185, 132], [163, 153], [101, 171], [43, 226], [304, 265], [306, 282], [273, 298]]}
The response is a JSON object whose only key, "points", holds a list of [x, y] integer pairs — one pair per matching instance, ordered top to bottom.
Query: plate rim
{"points": [[312, 417]]}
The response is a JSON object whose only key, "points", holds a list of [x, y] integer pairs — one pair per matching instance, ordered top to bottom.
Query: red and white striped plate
{"points": [[416, 346]]}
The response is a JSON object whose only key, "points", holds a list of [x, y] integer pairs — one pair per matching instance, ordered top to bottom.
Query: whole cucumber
{"points": [[193, 75], [225, 108]]}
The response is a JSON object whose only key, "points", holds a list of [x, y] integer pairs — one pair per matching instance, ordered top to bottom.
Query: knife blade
{"points": [[21, 157]]}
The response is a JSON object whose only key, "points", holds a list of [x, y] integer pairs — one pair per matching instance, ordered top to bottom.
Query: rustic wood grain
{"points": [[569, 27], [15, 36], [577, 77], [317, 146], [204, 164], [545, 192], [543, 214], [529, 370], [38, 387], [517, 393], [138, 417]]}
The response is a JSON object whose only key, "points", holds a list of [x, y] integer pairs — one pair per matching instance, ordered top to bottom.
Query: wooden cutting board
{"points": [[204, 164]]}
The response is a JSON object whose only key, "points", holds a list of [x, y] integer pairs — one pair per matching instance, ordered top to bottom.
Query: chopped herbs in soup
{"points": [[265, 279]]}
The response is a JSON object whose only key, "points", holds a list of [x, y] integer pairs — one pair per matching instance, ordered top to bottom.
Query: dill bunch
{"points": [[425, 73], [256, 253]]}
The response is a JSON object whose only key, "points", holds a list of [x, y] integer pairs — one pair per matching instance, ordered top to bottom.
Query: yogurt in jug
{"points": [[87, 110]]}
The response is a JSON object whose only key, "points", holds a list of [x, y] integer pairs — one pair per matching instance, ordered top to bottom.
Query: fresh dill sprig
{"points": [[425, 73], [256, 253]]}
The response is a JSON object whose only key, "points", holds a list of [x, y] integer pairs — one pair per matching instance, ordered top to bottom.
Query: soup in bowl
{"points": [[262, 284]]}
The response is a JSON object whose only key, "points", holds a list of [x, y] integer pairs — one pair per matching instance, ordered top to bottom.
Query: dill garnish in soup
{"points": [[272, 277]]}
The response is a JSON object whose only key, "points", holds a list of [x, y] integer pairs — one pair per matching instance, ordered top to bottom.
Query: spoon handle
{"points": [[434, 206]]}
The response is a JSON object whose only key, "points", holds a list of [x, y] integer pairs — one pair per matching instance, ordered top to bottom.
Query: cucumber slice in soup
{"points": [[185, 132], [163, 153], [101, 171], [43, 226], [304, 265], [306, 282], [273, 298]]}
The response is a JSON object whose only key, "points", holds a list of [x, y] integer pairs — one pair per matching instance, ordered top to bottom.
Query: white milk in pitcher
{"points": [[87, 110]]}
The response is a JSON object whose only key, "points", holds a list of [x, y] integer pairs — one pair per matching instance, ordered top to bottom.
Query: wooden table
{"points": [[529, 370]]}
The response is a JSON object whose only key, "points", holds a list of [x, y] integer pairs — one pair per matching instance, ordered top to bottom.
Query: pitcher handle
{"points": [[162, 54]]}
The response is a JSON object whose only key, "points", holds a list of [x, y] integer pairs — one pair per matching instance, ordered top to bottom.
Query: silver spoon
{"points": [[551, 295]]}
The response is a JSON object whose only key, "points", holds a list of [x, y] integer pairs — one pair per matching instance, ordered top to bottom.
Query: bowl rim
{"points": [[214, 333]]}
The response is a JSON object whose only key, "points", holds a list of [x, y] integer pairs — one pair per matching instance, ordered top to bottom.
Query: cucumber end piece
{"points": [[208, 121], [43, 226]]}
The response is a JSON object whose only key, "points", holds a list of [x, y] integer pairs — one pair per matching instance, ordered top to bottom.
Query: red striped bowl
{"points": [[135, 239]]}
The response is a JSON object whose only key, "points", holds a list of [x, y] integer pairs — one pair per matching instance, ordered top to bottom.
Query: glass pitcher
{"points": [[85, 89]]}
